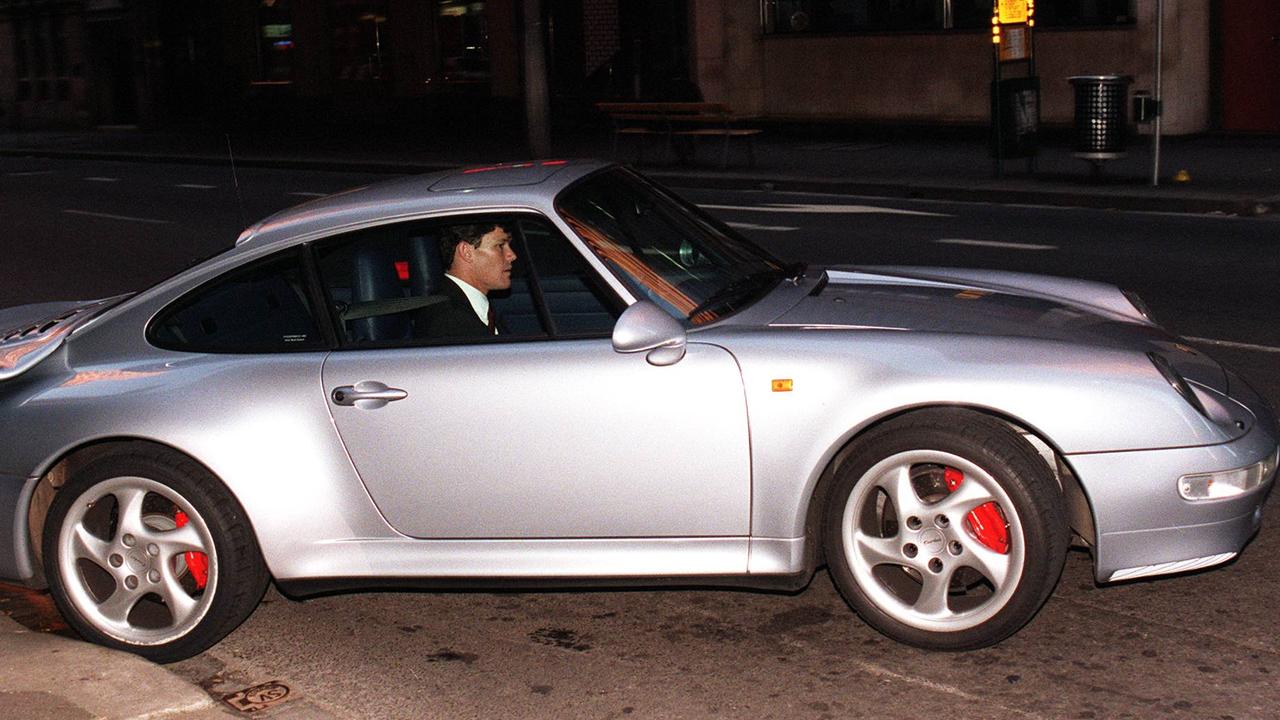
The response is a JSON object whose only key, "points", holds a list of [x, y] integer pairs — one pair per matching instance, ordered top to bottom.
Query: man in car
{"points": [[478, 258]]}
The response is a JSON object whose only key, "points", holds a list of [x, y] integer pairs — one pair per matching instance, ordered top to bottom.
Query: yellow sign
{"points": [[1013, 11]]}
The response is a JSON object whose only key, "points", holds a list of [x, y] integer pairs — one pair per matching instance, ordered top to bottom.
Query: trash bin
{"points": [[1102, 115]]}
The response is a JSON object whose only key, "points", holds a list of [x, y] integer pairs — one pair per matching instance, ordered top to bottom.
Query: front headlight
{"points": [[1178, 382], [1228, 483]]}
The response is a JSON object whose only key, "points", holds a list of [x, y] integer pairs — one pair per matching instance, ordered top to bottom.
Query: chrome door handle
{"points": [[367, 394]]}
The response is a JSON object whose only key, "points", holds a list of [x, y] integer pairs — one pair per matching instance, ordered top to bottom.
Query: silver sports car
{"points": [[558, 373]]}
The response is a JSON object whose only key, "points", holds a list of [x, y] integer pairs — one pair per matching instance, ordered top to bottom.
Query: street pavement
{"points": [[50, 675]]}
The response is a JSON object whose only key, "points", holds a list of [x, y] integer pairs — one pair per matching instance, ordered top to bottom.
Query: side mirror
{"points": [[645, 327]]}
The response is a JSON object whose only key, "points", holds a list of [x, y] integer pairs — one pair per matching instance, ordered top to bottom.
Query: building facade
{"points": [[931, 61], [920, 62]]}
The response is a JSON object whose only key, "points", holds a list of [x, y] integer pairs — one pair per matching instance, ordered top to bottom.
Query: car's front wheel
{"points": [[945, 530], [146, 551]]}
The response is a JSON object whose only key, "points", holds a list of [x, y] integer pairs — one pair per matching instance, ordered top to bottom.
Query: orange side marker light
{"points": [[782, 385]]}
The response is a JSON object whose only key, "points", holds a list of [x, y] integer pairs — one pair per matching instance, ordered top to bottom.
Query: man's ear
{"points": [[464, 251]]}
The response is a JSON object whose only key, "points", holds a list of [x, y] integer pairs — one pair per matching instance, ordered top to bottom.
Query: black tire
{"points": [[119, 536], [920, 569]]}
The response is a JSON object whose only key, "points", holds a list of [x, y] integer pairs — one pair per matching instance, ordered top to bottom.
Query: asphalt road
{"points": [[1195, 646]]}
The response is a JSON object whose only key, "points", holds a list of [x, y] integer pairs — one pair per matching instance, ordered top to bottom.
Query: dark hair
{"points": [[469, 234]]}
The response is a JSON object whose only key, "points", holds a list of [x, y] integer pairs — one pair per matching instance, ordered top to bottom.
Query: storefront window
{"points": [[1054, 13], [825, 16], [849, 16], [463, 35], [275, 41], [360, 48]]}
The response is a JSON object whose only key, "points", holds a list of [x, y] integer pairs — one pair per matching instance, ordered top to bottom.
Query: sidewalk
{"points": [[1232, 175], [46, 677]]}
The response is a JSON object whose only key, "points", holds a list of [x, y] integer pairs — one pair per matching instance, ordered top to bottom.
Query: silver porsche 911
{"points": [[559, 373]]}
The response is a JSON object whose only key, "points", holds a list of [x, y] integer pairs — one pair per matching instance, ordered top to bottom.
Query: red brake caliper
{"points": [[986, 522], [198, 562]]}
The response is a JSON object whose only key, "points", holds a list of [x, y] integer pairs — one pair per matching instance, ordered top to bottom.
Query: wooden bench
{"points": [[674, 121]]}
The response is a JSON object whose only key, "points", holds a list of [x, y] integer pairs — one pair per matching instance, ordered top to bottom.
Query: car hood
{"points": [[993, 303], [30, 333]]}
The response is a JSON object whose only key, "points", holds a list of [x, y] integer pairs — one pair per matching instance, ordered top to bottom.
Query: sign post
{"points": [[1015, 87]]}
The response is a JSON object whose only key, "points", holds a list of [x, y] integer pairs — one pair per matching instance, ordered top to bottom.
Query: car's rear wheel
{"points": [[945, 530], [146, 551]]}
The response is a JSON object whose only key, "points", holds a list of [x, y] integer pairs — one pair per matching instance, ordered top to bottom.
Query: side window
{"points": [[388, 286], [576, 302], [260, 308]]}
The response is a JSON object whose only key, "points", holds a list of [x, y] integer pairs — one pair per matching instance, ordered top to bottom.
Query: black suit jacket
{"points": [[453, 318]]}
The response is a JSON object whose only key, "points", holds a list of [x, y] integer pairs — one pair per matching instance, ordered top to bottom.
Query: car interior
{"points": [[388, 279]]}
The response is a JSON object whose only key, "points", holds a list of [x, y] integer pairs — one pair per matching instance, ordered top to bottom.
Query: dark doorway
{"points": [[655, 36], [1249, 46], [632, 49], [114, 82]]}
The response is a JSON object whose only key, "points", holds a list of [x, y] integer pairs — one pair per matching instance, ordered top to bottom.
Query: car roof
{"points": [[531, 184]]}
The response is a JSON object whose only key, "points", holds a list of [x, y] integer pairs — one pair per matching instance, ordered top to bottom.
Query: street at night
{"points": [[942, 382], [1197, 645]]}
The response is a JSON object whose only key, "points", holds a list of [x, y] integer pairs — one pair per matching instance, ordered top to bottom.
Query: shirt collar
{"points": [[479, 301]]}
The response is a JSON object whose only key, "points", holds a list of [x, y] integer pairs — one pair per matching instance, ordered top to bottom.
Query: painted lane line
{"points": [[30, 173], [102, 179], [195, 186], [308, 194], [834, 209], [108, 216], [753, 226], [995, 244], [1236, 345]]}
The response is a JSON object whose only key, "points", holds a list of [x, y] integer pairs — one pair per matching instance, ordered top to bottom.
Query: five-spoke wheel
{"points": [[945, 530], [147, 552]]}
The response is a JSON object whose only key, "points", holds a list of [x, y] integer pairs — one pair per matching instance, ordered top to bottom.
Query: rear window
{"points": [[261, 308]]}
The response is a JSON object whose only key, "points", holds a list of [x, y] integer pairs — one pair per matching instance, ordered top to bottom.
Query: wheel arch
{"points": [[59, 469], [1079, 507]]}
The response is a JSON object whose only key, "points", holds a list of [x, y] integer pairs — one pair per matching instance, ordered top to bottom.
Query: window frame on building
{"points": [[821, 17]]}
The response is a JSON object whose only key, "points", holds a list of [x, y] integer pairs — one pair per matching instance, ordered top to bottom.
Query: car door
{"points": [[541, 431]]}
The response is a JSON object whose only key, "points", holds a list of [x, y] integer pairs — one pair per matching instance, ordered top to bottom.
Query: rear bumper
{"points": [[1144, 527], [15, 546]]}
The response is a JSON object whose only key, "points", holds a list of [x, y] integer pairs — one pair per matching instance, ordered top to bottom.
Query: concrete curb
{"points": [[1009, 191], [47, 676]]}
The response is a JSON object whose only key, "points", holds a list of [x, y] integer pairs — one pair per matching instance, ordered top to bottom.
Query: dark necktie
{"points": [[493, 321]]}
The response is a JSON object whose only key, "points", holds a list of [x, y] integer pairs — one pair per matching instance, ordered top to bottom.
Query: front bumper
{"points": [[1144, 527]]}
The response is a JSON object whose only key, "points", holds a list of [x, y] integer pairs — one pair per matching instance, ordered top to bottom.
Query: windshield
{"points": [[666, 250]]}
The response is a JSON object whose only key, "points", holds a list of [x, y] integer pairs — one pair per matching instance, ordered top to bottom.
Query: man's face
{"points": [[491, 261]]}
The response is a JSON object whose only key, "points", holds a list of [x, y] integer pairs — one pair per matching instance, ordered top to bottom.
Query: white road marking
{"points": [[30, 172], [102, 179], [195, 186], [308, 194], [834, 209], [108, 216], [753, 226], [995, 244], [1237, 345], [937, 687]]}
